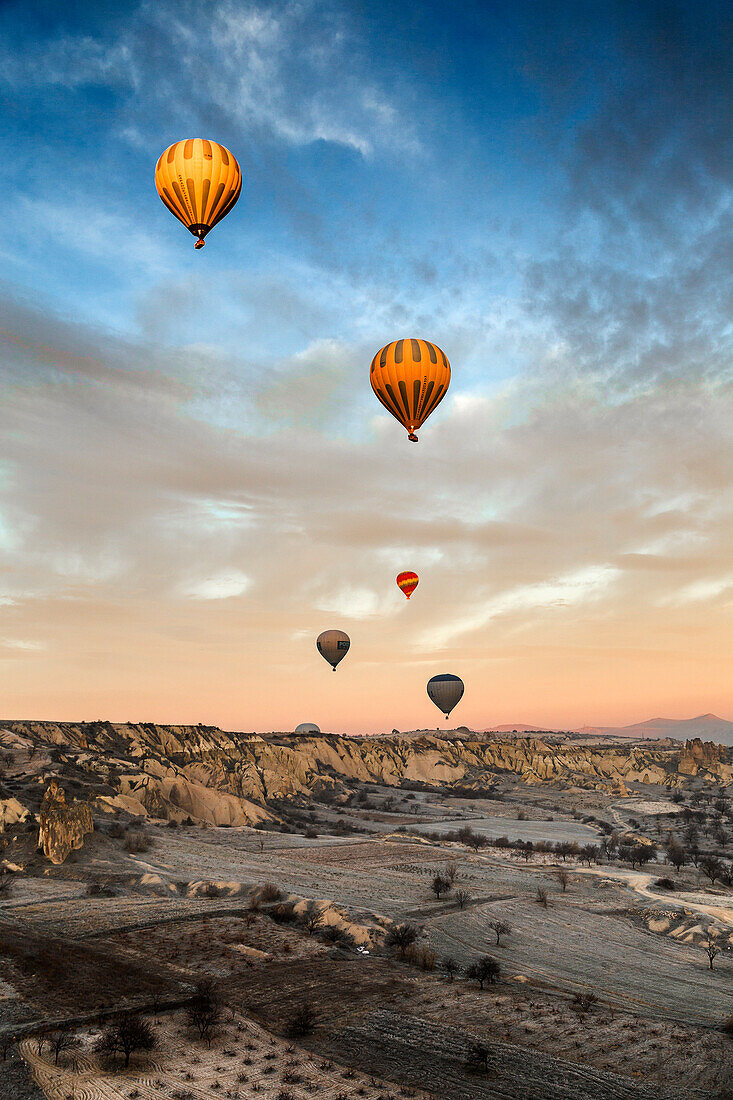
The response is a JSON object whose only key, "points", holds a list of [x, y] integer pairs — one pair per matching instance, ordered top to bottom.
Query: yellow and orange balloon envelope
{"points": [[199, 181], [410, 378], [408, 582]]}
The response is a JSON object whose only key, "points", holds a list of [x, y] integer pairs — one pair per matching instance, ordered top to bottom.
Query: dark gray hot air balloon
{"points": [[333, 645], [445, 691], [307, 727]]}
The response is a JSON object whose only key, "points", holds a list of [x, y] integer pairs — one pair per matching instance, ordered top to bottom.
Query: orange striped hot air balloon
{"points": [[199, 181], [410, 378], [408, 582]]}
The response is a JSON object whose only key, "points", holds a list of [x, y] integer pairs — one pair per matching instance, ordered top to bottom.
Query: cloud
{"points": [[294, 71], [223, 586]]}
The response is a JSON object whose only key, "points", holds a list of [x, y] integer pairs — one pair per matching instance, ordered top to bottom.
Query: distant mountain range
{"points": [[708, 727]]}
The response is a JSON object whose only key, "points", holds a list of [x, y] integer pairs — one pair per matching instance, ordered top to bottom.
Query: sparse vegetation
{"points": [[136, 841]]}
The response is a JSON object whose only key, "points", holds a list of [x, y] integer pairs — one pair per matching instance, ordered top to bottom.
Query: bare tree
{"points": [[526, 847], [589, 853], [676, 854], [711, 867], [451, 871], [563, 878], [440, 885], [542, 896], [462, 898], [500, 928], [401, 936], [711, 950], [450, 966], [485, 969], [204, 1013], [124, 1036], [62, 1040], [477, 1059]]}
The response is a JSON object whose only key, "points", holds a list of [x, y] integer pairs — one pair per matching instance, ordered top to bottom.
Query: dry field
{"points": [[493, 827], [569, 947], [653, 1033], [243, 1061]]}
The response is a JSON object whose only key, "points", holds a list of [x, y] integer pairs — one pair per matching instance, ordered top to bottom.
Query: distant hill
{"points": [[520, 727], [708, 727]]}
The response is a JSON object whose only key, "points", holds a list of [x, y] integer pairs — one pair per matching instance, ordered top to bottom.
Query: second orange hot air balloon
{"points": [[199, 181], [410, 378], [408, 582]]}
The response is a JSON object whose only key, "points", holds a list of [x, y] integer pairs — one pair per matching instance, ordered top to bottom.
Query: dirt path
{"points": [[640, 881]]}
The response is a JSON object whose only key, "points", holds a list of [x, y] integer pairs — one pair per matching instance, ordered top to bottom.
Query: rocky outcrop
{"points": [[697, 755], [221, 778], [12, 812], [63, 826]]}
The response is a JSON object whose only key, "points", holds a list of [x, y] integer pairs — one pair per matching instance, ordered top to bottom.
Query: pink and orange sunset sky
{"points": [[195, 477]]}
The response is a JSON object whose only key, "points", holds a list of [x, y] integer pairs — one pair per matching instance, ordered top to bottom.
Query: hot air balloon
{"points": [[199, 181], [410, 377], [408, 582], [333, 645], [445, 691], [307, 727]]}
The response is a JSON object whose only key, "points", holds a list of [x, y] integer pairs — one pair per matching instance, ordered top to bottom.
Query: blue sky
{"points": [[543, 189]]}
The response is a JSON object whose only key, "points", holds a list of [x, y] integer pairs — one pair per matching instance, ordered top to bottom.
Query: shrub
{"points": [[136, 841], [665, 884], [98, 890], [270, 892], [283, 914], [333, 934], [401, 936], [420, 955], [584, 1002], [301, 1021], [728, 1026], [477, 1059]]}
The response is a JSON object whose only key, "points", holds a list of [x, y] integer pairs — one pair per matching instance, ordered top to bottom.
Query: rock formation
{"points": [[701, 755], [221, 778], [12, 812], [63, 826]]}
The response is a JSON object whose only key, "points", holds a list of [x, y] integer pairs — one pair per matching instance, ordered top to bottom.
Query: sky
{"points": [[195, 477]]}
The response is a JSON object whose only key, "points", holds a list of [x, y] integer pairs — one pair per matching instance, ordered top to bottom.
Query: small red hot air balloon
{"points": [[408, 582]]}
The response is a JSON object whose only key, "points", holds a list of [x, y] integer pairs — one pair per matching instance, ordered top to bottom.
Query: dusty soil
{"points": [[243, 1061]]}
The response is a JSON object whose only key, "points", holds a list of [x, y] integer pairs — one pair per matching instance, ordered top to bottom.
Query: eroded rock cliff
{"points": [[221, 778]]}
